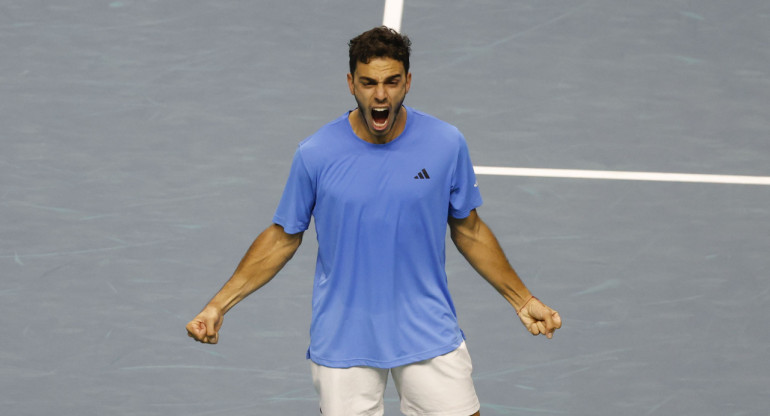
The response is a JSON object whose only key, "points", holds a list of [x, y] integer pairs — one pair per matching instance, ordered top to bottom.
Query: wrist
{"points": [[524, 305], [215, 308]]}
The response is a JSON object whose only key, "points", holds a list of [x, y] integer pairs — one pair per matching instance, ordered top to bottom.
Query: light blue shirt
{"points": [[380, 295]]}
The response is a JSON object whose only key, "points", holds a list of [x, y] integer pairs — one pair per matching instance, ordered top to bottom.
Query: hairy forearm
{"points": [[480, 247], [271, 250]]}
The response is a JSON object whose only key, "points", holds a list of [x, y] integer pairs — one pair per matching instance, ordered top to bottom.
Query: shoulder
{"points": [[426, 121], [435, 129], [328, 135], [325, 145]]}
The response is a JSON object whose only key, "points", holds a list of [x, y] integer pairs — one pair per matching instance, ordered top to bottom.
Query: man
{"points": [[382, 182]]}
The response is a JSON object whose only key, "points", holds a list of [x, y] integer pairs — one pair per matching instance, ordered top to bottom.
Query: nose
{"points": [[380, 94]]}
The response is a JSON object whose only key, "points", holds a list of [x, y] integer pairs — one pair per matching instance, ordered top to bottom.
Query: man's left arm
{"points": [[478, 245]]}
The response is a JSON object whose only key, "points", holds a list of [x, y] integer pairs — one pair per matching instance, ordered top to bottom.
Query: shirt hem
{"points": [[465, 213], [290, 228], [365, 362]]}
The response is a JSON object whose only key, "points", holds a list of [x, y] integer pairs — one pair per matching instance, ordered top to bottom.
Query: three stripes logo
{"points": [[423, 174]]}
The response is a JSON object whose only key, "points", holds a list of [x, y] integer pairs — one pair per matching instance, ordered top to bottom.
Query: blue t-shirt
{"points": [[380, 295]]}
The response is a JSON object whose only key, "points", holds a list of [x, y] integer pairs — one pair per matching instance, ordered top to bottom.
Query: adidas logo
{"points": [[423, 174]]}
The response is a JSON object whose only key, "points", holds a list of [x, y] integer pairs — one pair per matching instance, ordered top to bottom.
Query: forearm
{"points": [[480, 247], [271, 250]]}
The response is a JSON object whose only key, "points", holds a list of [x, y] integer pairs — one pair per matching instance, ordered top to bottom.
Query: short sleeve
{"points": [[464, 195], [298, 199]]}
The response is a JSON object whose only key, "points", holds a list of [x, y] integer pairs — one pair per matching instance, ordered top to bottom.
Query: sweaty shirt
{"points": [[380, 294]]}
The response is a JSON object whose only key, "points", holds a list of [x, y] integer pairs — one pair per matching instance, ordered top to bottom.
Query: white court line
{"points": [[394, 10], [620, 175]]}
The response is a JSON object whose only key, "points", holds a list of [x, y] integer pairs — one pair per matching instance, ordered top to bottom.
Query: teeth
{"points": [[380, 113]]}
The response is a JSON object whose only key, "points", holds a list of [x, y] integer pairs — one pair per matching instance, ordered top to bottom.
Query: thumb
{"points": [[550, 326], [204, 328], [196, 329], [212, 335]]}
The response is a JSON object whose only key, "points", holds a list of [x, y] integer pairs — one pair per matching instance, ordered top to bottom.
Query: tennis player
{"points": [[382, 182]]}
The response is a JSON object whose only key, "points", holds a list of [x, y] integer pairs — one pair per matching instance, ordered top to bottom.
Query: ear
{"points": [[408, 81], [350, 84]]}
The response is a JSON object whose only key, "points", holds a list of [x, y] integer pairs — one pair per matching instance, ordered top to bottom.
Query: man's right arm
{"points": [[271, 250]]}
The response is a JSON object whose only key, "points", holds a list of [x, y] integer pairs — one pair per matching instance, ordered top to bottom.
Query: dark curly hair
{"points": [[380, 42]]}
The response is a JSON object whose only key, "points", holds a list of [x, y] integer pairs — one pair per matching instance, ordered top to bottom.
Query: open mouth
{"points": [[380, 117]]}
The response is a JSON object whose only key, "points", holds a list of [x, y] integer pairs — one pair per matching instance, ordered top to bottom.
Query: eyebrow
{"points": [[388, 79]]}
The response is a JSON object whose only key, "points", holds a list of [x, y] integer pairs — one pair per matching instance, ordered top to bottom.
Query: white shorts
{"points": [[438, 386]]}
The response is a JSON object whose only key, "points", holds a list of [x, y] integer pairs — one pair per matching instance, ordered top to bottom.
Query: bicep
{"points": [[464, 227], [284, 238]]}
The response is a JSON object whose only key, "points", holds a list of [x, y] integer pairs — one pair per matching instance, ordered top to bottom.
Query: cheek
{"points": [[399, 92], [364, 97], [361, 105]]}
